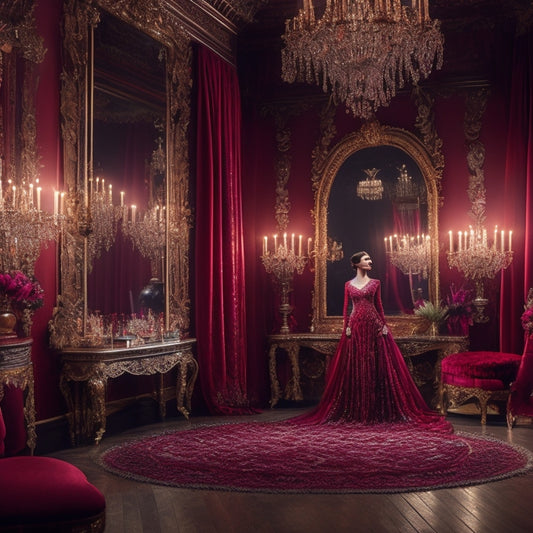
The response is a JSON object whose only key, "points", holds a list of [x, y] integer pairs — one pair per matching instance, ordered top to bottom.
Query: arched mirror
{"points": [[125, 110], [379, 193]]}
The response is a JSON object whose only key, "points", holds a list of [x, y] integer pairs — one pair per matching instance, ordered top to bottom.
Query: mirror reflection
{"points": [[128, 164], [377, 193]]}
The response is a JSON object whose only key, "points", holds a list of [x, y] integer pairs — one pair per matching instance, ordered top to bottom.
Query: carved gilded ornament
{"points": [[153, 17], [371, 134]]}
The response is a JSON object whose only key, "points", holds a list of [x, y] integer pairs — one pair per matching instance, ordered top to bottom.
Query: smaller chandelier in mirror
{"points": [[362, 51], [371, 188]]}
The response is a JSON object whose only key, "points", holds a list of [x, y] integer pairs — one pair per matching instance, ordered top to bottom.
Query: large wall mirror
{"points": [[125, 110], [378, 185]]}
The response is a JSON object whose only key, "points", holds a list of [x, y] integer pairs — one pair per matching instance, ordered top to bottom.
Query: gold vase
{"points": [[8, 321]]}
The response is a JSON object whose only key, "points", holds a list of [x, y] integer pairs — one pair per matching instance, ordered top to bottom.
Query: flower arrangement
{"points": [[21, 291], [460, 311], [431, 312]]}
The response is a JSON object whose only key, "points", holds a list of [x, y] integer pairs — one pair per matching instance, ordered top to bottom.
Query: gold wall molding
{"points": [[80, 16], [371, 134]]}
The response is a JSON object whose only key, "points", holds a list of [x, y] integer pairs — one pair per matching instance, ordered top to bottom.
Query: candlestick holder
{"points": [[480, 260], [282, 263]]}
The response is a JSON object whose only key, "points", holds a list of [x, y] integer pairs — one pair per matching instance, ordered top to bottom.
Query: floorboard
{"points": [[134, 507]]}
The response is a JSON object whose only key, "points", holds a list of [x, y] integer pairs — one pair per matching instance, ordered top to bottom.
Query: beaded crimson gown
{"points": [[368, 381]]}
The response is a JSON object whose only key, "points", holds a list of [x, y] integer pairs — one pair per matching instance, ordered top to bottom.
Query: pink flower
{"points": [[22, 291]]}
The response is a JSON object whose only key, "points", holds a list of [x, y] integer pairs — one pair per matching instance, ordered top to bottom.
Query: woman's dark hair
{"points": [[356, 258]]}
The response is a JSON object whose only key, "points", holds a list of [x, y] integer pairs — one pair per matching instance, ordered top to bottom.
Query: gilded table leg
{"points": [[185, 386], [294, 390], [96, 391], [275, 391], [161, 396], [72, 409], [29, 413]]}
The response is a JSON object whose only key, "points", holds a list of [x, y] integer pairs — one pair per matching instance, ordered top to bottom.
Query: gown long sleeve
{"points": [[368, 381]]}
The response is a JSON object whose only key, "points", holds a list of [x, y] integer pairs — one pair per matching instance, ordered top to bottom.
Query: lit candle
{"points": [[97, 184], [110, 193], [14, 194], [38, 198], [121, 198], [56, 202], [61, 203], [133, 208], [495, 236], [503, 237], [285, 240], [451, 240], [460, 240], [510, 240], [292, 242], [390, 243], [276, 244], [265, 245], [299, 245], [309, 246]]}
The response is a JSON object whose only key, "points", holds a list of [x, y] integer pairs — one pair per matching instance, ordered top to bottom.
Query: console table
{"points": [[326, 344], [16, 369], [85, 372]]}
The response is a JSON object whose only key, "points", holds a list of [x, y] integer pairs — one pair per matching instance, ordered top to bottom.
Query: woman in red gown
{"points": [[368, 381]]}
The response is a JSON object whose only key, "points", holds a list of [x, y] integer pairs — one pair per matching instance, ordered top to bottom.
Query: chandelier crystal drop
{"points": [[362, 51]]}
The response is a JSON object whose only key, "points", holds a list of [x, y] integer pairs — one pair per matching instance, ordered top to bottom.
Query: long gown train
{"points": [[368, 381]]}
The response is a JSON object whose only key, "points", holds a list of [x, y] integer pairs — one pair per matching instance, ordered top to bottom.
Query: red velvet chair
{"points": [[481, 376], [520, 403], [43, 494]]}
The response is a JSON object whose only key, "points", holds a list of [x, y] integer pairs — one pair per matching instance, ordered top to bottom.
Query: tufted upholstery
{"points": [[482, 376]]}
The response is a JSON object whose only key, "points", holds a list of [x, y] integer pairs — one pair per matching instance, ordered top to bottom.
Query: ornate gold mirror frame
{"points": [[370, 135], [69, 323]]}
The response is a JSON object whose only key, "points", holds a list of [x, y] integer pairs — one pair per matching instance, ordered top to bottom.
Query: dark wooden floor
{"points": [[499, 507]]}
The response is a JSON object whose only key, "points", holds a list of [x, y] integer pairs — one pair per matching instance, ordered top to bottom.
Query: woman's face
{"points": [[365, 263]]}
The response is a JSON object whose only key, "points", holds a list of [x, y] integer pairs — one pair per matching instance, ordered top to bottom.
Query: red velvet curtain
{"points": [[518, 196], [219, 268]]}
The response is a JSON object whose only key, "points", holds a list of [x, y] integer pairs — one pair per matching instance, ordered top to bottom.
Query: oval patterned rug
{"points": [[335, 458]]}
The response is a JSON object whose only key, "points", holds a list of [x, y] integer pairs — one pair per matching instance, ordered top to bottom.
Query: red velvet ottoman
{"points": [[482, 376], [46, 494]]}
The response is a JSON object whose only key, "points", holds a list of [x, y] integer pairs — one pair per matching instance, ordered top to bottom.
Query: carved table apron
{"points": [[326, 344], [92, 367], [16, 369]]}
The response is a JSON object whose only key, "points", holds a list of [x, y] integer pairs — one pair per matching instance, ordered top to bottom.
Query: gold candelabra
{"points": [[363, 51], [24, 226], [286, 258], [478, 259]]}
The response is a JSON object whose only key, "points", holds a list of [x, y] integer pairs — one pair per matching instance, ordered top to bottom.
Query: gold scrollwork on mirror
{"points": [[148, 18], [345, 227]]}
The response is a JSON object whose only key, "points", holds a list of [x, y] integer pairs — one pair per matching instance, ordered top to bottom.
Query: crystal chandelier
{"points": [[362, 51], [370, 188], [406, 191], [103, 216], [24, 227], [147, 233], [410, 254], [478, 259]]}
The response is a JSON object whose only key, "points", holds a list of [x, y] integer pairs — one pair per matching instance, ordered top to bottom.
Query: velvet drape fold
{"points": [[518, 196], [219, 248]]}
